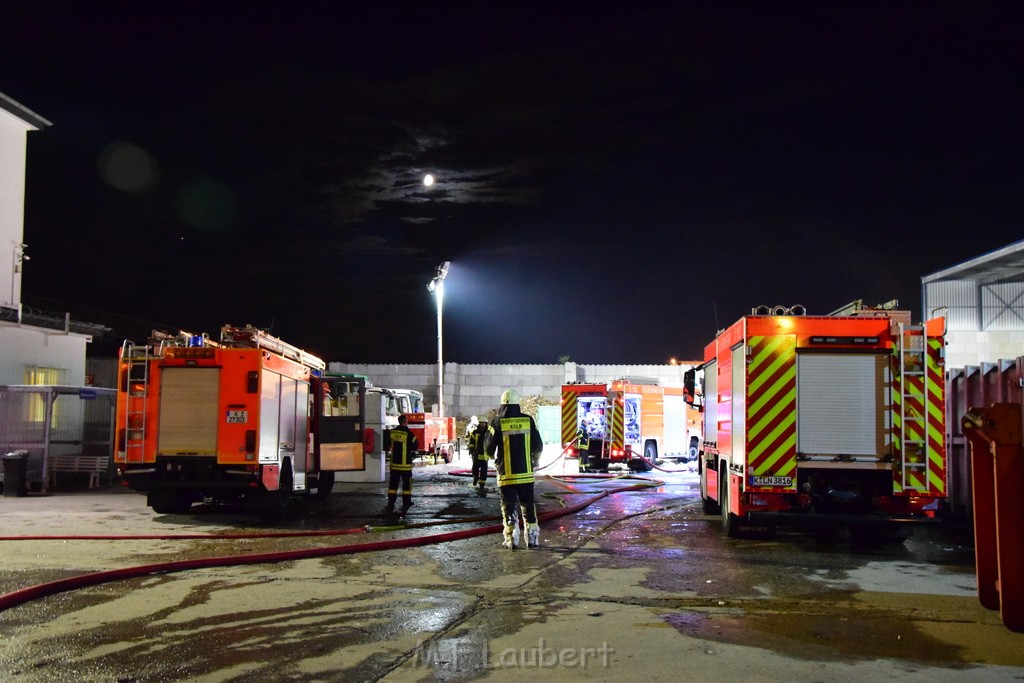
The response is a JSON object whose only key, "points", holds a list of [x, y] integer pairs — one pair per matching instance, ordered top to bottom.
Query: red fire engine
{"points": [[249, 417], [830, 420]]}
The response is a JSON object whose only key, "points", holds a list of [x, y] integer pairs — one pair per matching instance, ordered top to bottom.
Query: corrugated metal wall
{"points": [[1001, 305]]}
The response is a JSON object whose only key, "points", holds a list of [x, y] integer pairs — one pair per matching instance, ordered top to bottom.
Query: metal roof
{"points": [[22, 112], [1001, 265]]}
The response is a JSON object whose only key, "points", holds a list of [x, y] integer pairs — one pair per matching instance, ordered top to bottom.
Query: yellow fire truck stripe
{"points": [[763, 373], [779, 401], [771, 406], [569, 418]]}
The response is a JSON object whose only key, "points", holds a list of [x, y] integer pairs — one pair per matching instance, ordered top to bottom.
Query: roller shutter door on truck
{"points": [[841, 404], [188, 411]]}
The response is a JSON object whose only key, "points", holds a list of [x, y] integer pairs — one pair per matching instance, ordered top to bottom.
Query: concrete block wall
{"points": [[964, 348], [476, 389]]}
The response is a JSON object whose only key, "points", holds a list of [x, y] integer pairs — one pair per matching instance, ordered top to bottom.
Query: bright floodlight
{"points": [[428, 180], [436, 286]]}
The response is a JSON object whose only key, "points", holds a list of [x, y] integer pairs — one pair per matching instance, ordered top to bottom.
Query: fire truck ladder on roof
{"points": [[262, 340], [136, 358], [913, 431]]}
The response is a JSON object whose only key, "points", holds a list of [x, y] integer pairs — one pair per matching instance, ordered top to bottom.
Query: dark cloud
{"points": [[613, 185]]}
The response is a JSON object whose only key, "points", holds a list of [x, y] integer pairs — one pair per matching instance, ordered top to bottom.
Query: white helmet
{"points": [[509, 396]]}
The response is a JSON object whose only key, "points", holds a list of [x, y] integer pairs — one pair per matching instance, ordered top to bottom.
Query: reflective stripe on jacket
{"points": [[403, 443], [515, 443]]}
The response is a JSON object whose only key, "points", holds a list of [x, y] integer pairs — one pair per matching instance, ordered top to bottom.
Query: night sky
{"points": [[613, 184]]}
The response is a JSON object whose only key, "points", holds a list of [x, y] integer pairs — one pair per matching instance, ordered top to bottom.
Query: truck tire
{"points": [[650, 457], [324, 484], [281, 498], [169, 501]]}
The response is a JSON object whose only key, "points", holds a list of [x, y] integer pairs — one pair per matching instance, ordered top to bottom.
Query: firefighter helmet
{"points": [[509, 396]]}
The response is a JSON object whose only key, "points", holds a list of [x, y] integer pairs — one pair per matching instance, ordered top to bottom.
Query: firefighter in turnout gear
{"points": [[477, 441], [514, 442], [403, 445], [583, 448]]}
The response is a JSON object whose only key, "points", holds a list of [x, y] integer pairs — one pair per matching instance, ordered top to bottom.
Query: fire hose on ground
{"points": [[30, 593]]}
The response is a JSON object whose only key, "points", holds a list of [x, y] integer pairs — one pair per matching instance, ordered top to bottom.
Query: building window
{"points": [[37, 375]]}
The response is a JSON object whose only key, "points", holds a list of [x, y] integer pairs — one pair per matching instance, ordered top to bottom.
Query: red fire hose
{"points": [[35, 592]]}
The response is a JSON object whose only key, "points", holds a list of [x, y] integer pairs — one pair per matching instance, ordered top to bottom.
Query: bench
{"points": [[94, 465]]}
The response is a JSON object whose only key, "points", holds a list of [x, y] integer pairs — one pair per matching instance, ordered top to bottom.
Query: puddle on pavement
{"points": [[819, 636]]}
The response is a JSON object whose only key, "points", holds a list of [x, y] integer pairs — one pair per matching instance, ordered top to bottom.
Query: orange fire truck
{"points": [[248, 418], [827, 421], [628, 422]]}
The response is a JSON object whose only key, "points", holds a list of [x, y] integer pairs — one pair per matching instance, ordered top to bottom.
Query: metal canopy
{"points": [[1001, 265]]}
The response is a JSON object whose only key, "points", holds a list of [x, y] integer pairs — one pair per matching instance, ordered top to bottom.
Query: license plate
{"points": [[238, 416], [771, 481]]}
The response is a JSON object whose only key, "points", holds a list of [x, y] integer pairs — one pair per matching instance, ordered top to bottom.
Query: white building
{"points": [[983, 301], [35, 348]]}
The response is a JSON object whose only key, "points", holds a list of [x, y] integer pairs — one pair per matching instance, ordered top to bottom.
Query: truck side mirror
{"points": [[689, 385]]}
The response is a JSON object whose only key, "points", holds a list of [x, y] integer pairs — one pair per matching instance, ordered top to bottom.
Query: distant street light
{"points": [[437, 287]]}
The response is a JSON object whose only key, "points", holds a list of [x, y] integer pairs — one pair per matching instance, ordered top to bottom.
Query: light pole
{"points": [[437, 287]]}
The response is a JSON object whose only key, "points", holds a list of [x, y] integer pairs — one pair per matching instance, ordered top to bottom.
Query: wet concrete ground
{"points": [[640, 584]]}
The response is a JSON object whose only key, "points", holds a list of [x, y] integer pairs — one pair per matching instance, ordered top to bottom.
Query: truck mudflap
{"points": [[812, 519]]}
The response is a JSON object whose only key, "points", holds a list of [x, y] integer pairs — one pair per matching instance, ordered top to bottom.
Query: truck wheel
{"points": [[447, 454], [650, 457], [324, 484], [280, 498], [169, 501]]}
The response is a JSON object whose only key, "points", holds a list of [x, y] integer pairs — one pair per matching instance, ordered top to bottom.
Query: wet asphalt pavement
{"points": [[640, 584]]}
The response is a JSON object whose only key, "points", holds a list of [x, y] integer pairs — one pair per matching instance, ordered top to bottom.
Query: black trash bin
{"points": [[15, 474]]}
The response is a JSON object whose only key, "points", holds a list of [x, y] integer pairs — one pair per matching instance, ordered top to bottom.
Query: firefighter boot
{"points": [[511, 533], [532, 535]]}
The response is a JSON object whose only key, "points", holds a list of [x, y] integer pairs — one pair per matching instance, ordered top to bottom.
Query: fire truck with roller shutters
{"points": [[249, 418], [826, 421], [631, 422]]}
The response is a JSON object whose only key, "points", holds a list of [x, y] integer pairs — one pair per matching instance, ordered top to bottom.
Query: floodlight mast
{"points": [[436, 287]]}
